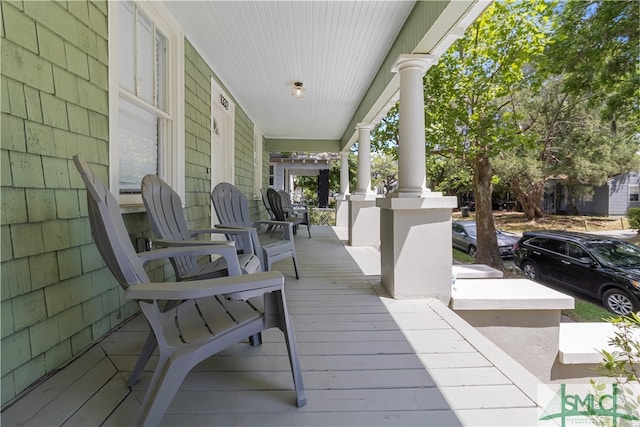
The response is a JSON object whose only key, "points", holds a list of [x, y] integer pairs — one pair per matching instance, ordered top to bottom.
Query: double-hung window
{"points": [[147, 97]]}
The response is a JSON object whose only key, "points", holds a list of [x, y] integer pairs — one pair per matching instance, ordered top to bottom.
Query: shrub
{"points": [[323, 216], [634, 217], [622, 366]]}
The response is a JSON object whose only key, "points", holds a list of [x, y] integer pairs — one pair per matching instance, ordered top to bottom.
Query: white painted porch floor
{"points": [[367, 360]]}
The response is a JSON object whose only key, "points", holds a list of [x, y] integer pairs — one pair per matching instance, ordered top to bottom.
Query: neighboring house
{"points": [[616, 197]]}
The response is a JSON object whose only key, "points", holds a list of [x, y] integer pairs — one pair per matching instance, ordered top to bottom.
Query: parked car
{"points": [[464, 238], [599, 266]]}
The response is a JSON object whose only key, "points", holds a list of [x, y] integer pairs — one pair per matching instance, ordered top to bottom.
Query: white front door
{"points": [[222, 139]]}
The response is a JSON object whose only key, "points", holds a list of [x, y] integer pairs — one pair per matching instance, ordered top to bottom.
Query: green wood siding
{"points": [[57, 296]]}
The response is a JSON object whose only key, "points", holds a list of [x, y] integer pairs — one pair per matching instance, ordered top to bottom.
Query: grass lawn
{"points": [[587, 312]]}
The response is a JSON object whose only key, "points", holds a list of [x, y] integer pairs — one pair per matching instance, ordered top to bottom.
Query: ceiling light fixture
{"points": [[298, 90]]}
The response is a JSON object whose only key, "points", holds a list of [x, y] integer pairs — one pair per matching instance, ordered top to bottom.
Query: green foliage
{"points": [[597, 47], [468, 93], [384, 137], [384, 171], [449, 175], [322, 216], [634, 217], [623, 363]]}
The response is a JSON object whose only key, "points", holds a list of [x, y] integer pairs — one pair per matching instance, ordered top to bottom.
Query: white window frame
{"points": [[171, 163], [257, 164], [272, 174]]}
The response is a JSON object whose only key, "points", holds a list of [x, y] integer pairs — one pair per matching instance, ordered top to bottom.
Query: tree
{"points": [[597, 46], [468, 97], [571, 144], [384, 171]]}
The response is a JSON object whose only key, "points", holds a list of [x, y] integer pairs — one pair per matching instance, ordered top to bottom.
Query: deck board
{"points": [[367, 360], [40, 397], [70, 400]]}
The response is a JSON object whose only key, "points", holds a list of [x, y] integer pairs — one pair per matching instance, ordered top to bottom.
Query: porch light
{"points": [[298, 90]]}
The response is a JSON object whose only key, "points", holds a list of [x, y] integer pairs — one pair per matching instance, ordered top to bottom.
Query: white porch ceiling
{"points": [[258, 49]]}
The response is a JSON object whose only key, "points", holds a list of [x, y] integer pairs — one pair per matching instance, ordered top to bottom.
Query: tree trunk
{"points": [[529, 199], [487, 242]]}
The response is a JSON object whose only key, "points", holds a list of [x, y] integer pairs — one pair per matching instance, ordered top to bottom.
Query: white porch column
{"points": [[411, 147], [364, 159], [344, 173], [342, 203], [364, 215], [415, 224]]}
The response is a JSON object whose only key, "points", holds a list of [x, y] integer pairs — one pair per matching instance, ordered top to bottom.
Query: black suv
{"points": [[601, 267]]}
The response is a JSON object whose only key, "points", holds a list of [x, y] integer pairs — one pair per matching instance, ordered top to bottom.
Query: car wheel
{"points": [[472, 251], [530, 270], [619, 302]]}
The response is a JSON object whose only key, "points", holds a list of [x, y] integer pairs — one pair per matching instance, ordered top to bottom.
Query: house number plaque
{"points": [[224, 102]]}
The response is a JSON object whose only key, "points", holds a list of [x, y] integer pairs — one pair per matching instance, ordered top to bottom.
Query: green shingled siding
{"points": [[197, 139], [57, 297]]}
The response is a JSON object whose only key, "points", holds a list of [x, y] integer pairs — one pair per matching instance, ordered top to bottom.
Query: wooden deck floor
{"points": [[367, 360]]}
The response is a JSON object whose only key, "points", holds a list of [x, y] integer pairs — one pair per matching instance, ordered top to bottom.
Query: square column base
{"points": [[342, 212], [364, 223], [415, 247]]}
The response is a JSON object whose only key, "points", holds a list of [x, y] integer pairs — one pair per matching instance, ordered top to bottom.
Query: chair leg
{"points": [[308, 230], [295, 266], [256, 340], [292, 348], [148, 349], [163, 387]]}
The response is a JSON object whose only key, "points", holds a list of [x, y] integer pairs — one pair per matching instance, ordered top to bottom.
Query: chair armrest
{"points": [[286, 225], [231, 227], [221, 229], [244, 234], [248, 236], [163, 243], [226, 249], [236, 287]]}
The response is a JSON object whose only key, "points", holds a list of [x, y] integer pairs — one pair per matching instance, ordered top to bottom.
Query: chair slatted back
{"points": [[275, 200], [265, 202], [286, 202], [231, 205], [164, 208], [232, 209], [109, 232]]}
